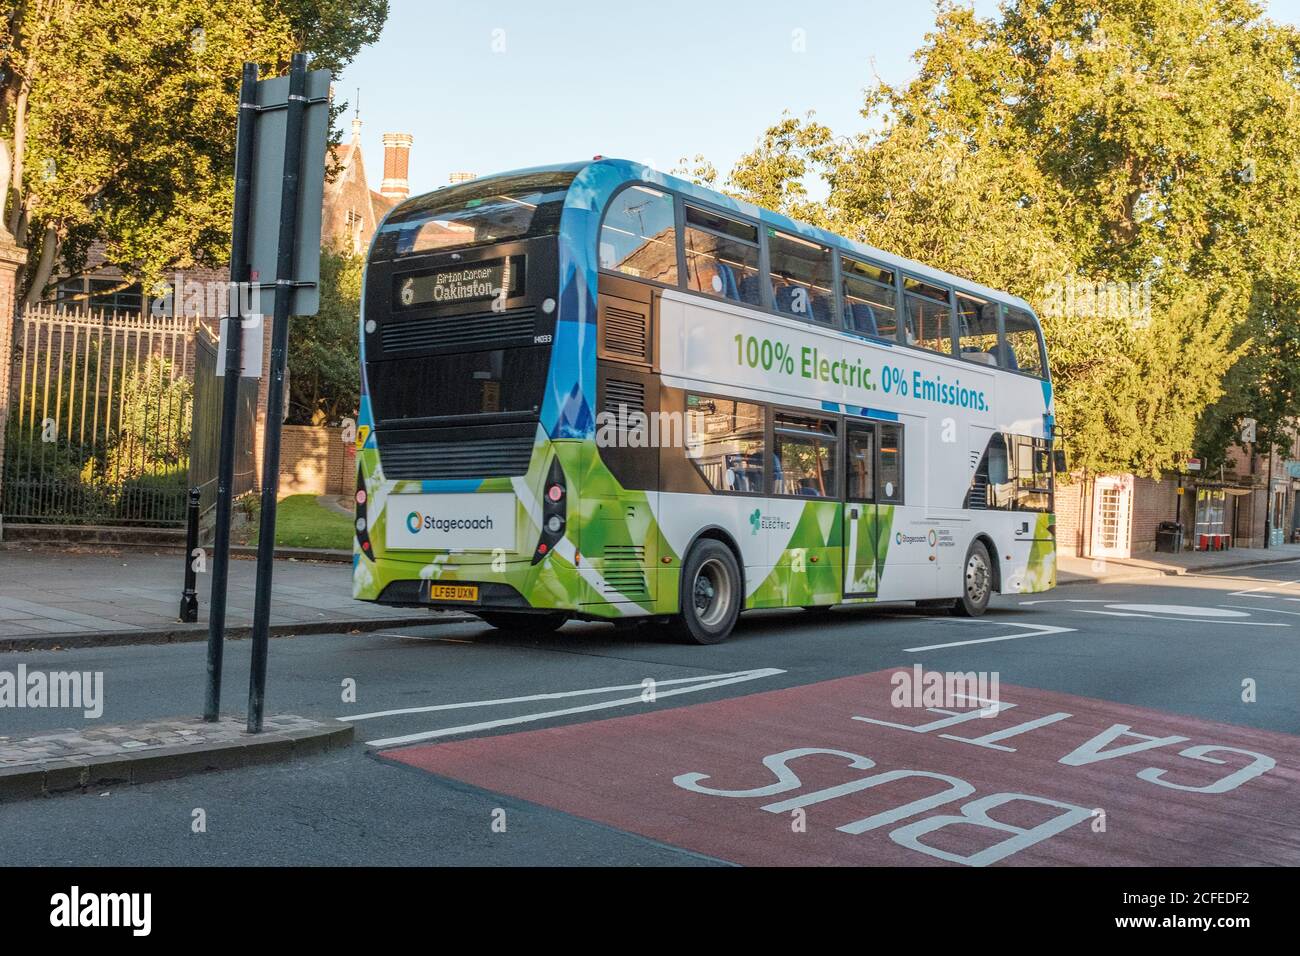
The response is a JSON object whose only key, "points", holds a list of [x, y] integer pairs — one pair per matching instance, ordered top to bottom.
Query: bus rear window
{"points": [[501, 209]]}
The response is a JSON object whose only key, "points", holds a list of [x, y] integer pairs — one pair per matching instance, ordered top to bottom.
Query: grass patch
{"points": [[300, 522]]}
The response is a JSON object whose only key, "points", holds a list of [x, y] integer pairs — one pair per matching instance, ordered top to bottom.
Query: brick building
{"points": [[1252, 502]]}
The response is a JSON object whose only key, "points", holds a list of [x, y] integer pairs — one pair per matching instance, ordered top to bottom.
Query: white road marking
{"points": [[1254, 592], [1064, 601], [1269, 610], [1187, 620], [1039, 630], [707, 682]]}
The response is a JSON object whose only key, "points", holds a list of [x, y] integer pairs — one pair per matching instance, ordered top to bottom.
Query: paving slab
{"points": [[73, 760]]}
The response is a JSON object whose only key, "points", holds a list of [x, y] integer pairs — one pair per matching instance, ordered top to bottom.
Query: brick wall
{"points": [[316, 461], [1154, 501], [1071, 516]]}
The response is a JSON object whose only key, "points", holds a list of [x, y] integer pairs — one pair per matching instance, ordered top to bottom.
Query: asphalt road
{"points": [[1150, 722]]}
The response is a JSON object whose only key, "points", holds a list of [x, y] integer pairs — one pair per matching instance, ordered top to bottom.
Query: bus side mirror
{"points": [[1058, 460]]}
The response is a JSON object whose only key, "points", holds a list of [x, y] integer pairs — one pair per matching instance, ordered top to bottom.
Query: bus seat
{"points": [[728, 281], [747, 289], [785, 299], [821, 309], [864, 318], [1009, 358]]}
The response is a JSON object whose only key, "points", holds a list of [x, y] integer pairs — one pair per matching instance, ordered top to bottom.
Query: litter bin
{"points": [[1169, 537]]}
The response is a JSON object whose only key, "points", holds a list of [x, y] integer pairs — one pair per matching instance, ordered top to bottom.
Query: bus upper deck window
{"points": [[495, 209], [638, 236], [721, 256], [801, 278], [869, 299], [927, 316], [977, 325], [1022, 349]]}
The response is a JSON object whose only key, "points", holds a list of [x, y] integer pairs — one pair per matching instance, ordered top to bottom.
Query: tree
{"points": [[120, 117], [1066, 143], [324, 359], [1265, 384]]}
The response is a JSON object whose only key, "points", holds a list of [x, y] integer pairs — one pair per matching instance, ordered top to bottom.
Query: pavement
{"points": [[1072, 570], [68, 598], [1142, 722], [44, 764]]}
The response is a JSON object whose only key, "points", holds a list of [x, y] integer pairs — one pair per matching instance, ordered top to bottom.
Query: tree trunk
{"points": [[44, 266]]}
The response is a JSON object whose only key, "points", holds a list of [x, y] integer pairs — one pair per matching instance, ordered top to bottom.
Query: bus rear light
{"points": [[554, 511], [363, 521]]}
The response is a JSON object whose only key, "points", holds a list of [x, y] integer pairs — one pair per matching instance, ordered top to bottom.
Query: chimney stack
{"points": [[397, 159]]}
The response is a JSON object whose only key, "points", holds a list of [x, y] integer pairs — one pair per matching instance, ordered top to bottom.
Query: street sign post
{"points": [[275, 242]]}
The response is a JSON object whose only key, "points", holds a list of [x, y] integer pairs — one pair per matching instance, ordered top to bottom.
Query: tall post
{"points": [[239, 274], [275, 399], [189, 611]]}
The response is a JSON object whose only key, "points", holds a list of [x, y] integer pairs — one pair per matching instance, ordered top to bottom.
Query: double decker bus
{"points": [[597, 391]]}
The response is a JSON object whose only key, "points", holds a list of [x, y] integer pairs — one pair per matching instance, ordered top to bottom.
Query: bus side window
{"points": [[721, 256], [802, 283], [869, 299], [927, 316], [977, 324], [1021, 349], [725, 441], [861, 451], [805, 456], [889, 471]]}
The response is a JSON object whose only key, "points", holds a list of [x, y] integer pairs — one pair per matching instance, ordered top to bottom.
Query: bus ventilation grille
{"points": [[479, 330], [625, 334], [630, 395], [475, 458], [624, 570]]}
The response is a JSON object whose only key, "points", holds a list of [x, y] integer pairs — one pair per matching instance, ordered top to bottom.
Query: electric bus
{"points": [[597, 391]]}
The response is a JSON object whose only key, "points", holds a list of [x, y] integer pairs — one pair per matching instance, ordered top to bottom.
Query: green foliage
{"points": [[121, 116], [1146, 142], [324, 356], [1265, 383], [153, 427], [302, 522]]}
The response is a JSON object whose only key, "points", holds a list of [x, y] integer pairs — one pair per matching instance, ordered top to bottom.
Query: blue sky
{"points": [[486, 87]]}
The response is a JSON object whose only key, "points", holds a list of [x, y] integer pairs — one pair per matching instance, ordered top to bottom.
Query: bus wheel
{"points": [[976, 582], [710, 594], [515, 622]]}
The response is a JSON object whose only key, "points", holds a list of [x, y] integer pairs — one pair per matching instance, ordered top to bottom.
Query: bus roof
{"points": [[626, 171]]}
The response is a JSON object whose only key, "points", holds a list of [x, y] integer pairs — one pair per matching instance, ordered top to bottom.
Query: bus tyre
{"points": [[976, 582], [710, 595], [515, 622]]}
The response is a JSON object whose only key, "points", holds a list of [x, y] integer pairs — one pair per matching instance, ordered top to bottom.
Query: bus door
{"points": [[861, 521]]}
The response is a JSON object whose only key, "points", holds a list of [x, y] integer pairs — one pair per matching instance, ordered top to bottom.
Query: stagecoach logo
{"points": [[758, 520], [416, 522], [900, 538]]}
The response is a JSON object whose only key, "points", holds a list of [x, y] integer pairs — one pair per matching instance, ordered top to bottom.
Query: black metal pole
{"points": [[239, 274], [275, 397], [190, 596]]}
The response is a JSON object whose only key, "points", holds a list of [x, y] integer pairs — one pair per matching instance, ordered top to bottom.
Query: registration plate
{"points": [[453, 592]]}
